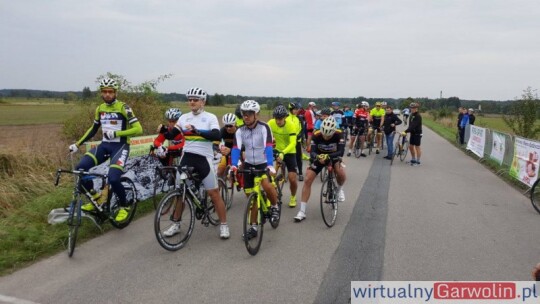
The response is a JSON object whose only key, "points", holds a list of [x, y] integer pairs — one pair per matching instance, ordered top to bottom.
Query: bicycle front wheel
{"points": [[357, 150], [404, 150], [396, 151], [323, 174], [535, 196], [131, 203], [329, 206], [172, 207], [73, 221], [252, 239]]}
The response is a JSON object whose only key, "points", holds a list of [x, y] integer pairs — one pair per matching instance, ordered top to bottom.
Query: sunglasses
{"points": [[193, 99], [229, 126]]}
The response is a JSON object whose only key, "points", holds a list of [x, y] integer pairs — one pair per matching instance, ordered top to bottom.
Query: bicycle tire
{"points": [[357, 150], [396, 151], [404, 151], [323, 174], [281, 178], [535, 196], [131, 202], [329, 205], [210, 212], [163, 219], [73, 221], [254, 244]]}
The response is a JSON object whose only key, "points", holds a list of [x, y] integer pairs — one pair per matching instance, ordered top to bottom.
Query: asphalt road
{"points": [[448, 219]]}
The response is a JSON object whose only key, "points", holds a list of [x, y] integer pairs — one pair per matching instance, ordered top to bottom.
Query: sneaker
{"points": [[377, 151], [349, 154], [363, 155], [305, 157], [387, 157], [413, 161], [415, 164], [301, 177], [341, 196], [292, 202], [88, 207], [274, 211], [122, 214], [300, 216], [174, 229], [224, 231], [251, 233]]}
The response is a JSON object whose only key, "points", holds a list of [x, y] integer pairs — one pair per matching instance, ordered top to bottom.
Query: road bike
{"points": [[357, 145], [401, 148], [282, 176], [329, 195], [535, 195], [187, 202], [258, 202], [106, 205]]}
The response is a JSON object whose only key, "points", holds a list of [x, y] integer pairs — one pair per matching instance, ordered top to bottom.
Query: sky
{"points": [[474, 49]]}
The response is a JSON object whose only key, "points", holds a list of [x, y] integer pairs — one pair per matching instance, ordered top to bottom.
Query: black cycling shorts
{"points": [[290, 162], [317, 167], [249, 179]]}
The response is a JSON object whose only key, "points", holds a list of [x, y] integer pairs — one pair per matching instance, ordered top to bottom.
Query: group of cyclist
{"points": [[243, 141]]}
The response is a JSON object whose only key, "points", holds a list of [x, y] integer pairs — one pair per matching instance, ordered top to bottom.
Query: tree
{"points": [[86, 93], [521, 115]]}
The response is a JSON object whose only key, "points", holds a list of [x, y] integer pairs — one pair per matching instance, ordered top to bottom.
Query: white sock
{"points": [[339, 188], [303, 206]]}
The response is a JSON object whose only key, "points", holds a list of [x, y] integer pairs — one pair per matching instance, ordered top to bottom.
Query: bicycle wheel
{"points": [[357, 150], [404, 150], [396, 151], [323, 174], [280, 178], [224, 192], [535, 196], [131, 203], [329, 205], [211, 213], [163, 220], [73, 221], [253, 244]]}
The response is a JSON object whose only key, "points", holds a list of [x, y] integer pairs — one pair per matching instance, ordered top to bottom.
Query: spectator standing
{"points": [[472, 118], [391, 120], [462, 125]]}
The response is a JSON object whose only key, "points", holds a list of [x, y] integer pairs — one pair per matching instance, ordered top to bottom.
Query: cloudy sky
{"points": [[474, 49]]}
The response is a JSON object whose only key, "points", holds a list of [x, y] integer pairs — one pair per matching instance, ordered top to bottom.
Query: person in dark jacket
{"points": [[472, 118], [391, 120], [462, 125], [415, 128]]}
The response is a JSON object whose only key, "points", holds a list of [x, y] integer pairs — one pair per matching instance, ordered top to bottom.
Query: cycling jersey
{"points": [[377, 114], [338, 115], [117, 117], [348, 117], [361, 117], [310, 119], [295, 122], [206, 131], [227, 137], [285, 137], [257, 142], [174, 144], [334, 147]]}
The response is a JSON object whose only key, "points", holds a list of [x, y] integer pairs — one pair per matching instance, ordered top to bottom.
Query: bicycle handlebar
{"points": [[80, 173]]}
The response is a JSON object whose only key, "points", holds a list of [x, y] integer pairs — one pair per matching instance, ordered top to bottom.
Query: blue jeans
{"points": [[390, 143]]}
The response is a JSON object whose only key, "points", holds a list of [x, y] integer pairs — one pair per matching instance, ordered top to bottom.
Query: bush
{"points": [[441, 113]]}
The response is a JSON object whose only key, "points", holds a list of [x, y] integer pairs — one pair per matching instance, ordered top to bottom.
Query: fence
{"points": [[516, 156]]}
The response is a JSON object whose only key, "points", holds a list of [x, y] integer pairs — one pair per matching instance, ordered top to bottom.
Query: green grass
{"points": [[34, 114], [25, 235]]}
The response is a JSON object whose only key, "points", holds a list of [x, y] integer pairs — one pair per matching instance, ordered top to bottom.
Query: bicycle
{"points": [[357, 146], [401, 148], [281, 172], [164, 177], [535, 195], [257, 199], [329, 199], [188, 201], [102, 212]]}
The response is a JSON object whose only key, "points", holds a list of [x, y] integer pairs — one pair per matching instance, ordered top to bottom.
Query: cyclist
{"points": [[406, 112], [325, 113], [337, 113], [238, 114], [310, 117], [347, 118], [361, 118], [377, 119], [293, 120], [391, 120], [118, 124], [415, 128], [200, 129], [256, 137], [227, 138], [285, 138], [326, 147], [166, 155]]}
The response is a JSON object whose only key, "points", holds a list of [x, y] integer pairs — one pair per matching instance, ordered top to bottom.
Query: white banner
{"points": [[477, 140], [498, 148], [525, 163], [451, 292]]}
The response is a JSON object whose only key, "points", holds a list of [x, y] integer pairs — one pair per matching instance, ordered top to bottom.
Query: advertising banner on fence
{"points": [[477, 140], [140, 145], [498, 148], [525, 163]]}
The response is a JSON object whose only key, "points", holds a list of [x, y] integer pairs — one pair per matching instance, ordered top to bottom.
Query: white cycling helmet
{"points": [[108, 83], [197, 93], [365, 104], [250, 105], [173, 114], [229, 119], [328, 126]]}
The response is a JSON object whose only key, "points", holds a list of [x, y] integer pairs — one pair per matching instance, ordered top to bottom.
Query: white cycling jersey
{"points": [[202, 122]]}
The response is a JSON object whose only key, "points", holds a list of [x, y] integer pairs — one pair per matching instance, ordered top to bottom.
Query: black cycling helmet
{"points": [[293, 105], [326, 111], [280, 112]]}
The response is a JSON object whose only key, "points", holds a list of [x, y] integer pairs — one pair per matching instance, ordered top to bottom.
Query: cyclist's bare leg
{"points": [[362, 140], [379, 140], [352, 142], [413, 151], [418, 152], [340, 174], [306, 188], [270, 190], [219, 205], [178, 208]]}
